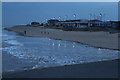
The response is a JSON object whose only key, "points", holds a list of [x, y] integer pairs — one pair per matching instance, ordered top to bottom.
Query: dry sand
{"points": [[100, 39]]}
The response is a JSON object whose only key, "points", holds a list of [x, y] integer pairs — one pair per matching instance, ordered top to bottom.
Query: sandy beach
{"points": [[60, 39], [99, 39], [99, 69], [104, 69]]}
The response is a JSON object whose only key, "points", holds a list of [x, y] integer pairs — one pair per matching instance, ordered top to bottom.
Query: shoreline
{"points": [[101, 39], [100, 69]]}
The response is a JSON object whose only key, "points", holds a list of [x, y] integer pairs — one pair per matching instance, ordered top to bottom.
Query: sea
{"points": [[27, 53]]}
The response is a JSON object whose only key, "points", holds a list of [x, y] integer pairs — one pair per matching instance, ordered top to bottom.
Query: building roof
{"points": [[53, 20], [95, 20], [73, 22]]}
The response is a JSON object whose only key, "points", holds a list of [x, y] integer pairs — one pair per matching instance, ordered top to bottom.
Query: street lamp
{"points": [[74, 16]]}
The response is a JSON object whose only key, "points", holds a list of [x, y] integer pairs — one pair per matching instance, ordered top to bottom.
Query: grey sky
{"points": [[15, 13]]}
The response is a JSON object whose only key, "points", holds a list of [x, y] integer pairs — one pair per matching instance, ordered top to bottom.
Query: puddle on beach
{"points": [[32, 52]]}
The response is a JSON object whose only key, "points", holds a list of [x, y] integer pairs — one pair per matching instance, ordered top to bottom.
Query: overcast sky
{"points": [[25, 12]]}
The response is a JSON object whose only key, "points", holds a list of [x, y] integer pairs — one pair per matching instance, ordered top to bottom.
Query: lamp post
{"points": [[74, 16], [101, 16], [59, 18]]}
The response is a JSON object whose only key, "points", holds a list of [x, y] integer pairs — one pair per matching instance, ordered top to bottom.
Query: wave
{"points": [[13, 42], [31, 53]]}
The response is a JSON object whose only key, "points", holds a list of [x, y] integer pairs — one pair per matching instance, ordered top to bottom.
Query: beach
{"points": [[99, 39], [60, 40], [98, 69], [104, 69]]}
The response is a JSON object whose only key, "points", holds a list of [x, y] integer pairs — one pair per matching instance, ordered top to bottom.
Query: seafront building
{"points": [[80, 23]]}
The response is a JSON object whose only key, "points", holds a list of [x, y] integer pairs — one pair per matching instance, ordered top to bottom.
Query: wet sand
{"points": [[100, 39], [104, 69]]}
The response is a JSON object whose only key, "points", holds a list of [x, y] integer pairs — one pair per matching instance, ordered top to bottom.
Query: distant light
{"points": [[53, 44], [59, 45], [73, 46], [99, 49]]}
